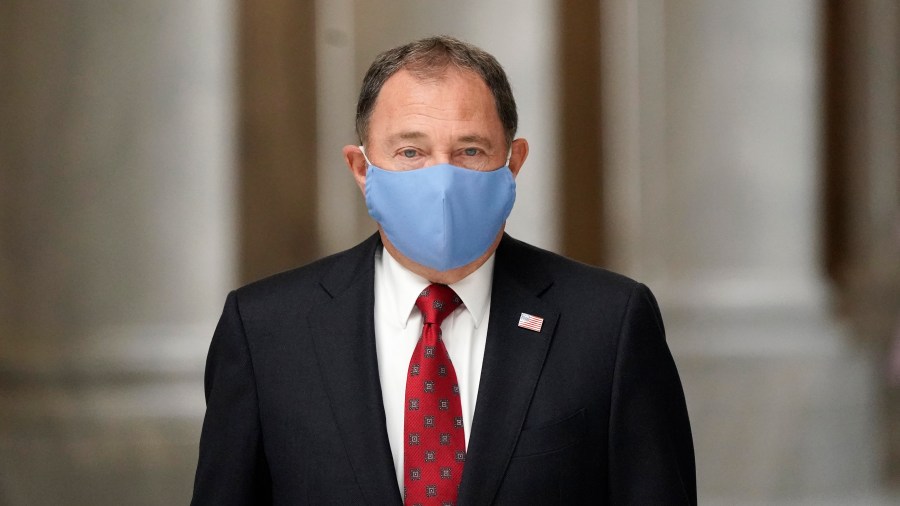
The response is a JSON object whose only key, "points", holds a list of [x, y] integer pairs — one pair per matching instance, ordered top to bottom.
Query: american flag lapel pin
{"points": [[531, 322]]}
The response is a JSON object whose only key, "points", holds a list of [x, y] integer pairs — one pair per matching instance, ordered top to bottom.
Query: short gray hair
{"points": [[429, 58]]}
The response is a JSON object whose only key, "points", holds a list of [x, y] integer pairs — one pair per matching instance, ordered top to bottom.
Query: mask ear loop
{"points": [[363, 150], [508, 157]]}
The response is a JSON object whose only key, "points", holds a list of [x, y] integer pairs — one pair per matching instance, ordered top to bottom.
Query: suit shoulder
{"points": [[571, 273], [304, 281]]}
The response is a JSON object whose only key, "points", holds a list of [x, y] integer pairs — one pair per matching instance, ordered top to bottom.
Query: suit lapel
{"points": [[344, 336], [513, 360]]}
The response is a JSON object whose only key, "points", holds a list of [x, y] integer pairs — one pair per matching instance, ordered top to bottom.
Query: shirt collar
{"points": [[404, 287]]}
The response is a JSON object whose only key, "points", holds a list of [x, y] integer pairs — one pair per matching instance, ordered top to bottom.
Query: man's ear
{"points": [[518, 154], [356, 161]]}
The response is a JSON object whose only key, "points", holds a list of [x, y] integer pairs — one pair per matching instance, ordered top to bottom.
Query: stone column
{"points": [[712, 116], [712, 150], [116, 198], [342, 218]]}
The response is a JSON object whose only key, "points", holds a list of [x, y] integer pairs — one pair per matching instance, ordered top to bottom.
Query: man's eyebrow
{"points": [[408, 135], [412, 135], [475, 139]]}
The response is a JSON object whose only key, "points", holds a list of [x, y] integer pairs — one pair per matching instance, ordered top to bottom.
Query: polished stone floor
{"points": [[784, 422]]}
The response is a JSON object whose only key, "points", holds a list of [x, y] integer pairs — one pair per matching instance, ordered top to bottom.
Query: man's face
{"points": [[451, 119], [418, 123]]}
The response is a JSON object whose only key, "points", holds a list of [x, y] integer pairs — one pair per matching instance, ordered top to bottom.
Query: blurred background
{"points": [[741, 157]]}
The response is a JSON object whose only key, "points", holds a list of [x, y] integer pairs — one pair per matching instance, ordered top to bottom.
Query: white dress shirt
{"points": [[398, 326]]}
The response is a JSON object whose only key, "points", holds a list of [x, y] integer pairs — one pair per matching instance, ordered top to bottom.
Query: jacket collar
{"points": [[343, 331], [513, 360]]}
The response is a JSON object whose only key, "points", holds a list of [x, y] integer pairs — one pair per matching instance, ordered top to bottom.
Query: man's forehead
{"points": [[407, 84], [410, 105]]}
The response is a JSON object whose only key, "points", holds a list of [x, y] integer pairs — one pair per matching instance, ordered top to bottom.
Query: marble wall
{"points": [[713, 174], [117, 242]]}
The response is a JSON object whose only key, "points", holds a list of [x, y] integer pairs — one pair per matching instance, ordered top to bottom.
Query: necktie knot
{"points": [[436, 302]]}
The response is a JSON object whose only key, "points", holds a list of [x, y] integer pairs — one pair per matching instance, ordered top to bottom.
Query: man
{"points": [[442, 360]]}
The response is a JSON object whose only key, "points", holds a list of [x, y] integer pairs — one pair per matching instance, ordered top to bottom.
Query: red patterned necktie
{"points": [[433, 426]]}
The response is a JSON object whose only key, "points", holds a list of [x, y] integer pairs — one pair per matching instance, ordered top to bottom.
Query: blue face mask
{"points": [[443, 216]]}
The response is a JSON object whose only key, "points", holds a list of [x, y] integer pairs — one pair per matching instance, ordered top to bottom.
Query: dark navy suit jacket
{"points": [[589, 410]]}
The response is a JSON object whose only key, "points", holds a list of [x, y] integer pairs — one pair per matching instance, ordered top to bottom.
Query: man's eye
{"points": [[471, 151], [409, 153]]}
